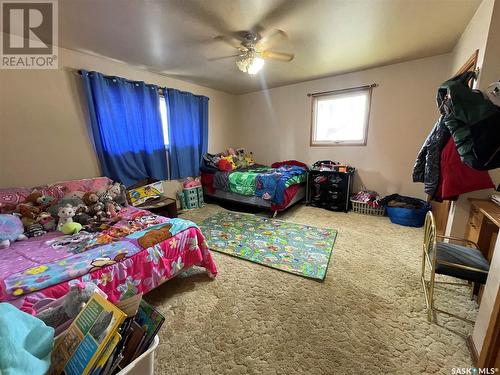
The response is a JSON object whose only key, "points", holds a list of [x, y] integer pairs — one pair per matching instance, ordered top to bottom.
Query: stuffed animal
{"points": [[249, 159], [230, 160], [224, 165], [114, 190], [117, 193], [74, 194], [121, 196], [32, 198], [90, 198], [39, 200], [111, 207], [54, 208], [82, 208], [95, 208], [97, 211], [28, 213], [65, 214], [82, 218], [46, 221], [71, 228], [11, 229], [34, 230], [71, 304]]}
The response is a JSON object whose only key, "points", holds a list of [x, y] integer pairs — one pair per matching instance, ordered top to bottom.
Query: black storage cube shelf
{"points": [[329, 189]]}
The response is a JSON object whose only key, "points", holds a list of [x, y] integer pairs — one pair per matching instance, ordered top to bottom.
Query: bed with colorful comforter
{"points": [[276, 187], [135, 255]]}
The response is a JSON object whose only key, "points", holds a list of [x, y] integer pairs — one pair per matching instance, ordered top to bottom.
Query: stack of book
{"points": [[104, 338]]}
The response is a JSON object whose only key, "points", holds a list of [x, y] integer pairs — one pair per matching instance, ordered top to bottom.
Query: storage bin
{"points": [[191, 196], [182, 199], [201, 201], [366, 209], [410, 217], [145, 363]]}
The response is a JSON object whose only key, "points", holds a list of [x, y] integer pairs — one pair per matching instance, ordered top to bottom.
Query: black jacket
{"points": [[428, 164]]}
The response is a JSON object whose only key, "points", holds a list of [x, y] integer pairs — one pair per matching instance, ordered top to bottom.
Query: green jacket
{"points": [[474, 123]]}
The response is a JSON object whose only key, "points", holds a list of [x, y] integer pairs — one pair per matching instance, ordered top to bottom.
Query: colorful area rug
{"points": [[299, 249]]}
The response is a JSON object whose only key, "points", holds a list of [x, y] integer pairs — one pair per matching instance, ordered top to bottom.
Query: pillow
{"points": [[85, 184], [55, 191], [11, 197]]}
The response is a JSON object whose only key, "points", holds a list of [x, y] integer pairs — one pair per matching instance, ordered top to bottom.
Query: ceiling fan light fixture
{"points": [[250, 63], [255, 66]]}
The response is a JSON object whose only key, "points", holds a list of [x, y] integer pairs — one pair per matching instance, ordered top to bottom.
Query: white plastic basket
{"points": [[366, 209], [145, 363]]}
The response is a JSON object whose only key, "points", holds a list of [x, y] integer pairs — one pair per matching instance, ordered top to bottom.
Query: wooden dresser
{"points": [[482, 227]]}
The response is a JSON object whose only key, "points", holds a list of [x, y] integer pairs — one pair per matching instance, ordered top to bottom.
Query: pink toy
{"points": [[192, 182]]}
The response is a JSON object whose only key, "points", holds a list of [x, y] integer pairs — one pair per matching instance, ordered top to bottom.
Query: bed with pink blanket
{"points": [[135, 255]]}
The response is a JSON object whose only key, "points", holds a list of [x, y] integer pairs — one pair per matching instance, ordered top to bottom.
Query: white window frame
{"points": [[316, 98]]}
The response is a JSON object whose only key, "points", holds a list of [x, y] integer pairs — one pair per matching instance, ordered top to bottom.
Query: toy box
{"points": [[140, 195]]}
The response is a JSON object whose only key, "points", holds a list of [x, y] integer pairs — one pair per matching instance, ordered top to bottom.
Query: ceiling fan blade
{"points": [[281, 10], [202, 13], [273, 37], [230, 40], [280, 56], [223, 57]]}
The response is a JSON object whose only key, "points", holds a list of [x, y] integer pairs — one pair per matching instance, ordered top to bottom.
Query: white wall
{"points": [[477, 35], [474, 37], [491, 65], [490, 72], [43, 121], [275, 124], [488, 300]]}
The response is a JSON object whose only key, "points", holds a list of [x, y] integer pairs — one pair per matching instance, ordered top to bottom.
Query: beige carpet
{"points": [[366, 317]]}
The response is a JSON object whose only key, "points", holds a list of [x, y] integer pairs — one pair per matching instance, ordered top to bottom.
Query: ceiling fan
{"points": [[252, 49]]}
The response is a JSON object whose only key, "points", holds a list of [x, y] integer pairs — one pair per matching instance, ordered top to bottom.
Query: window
{"points": [[341, 118], [164, 122]]}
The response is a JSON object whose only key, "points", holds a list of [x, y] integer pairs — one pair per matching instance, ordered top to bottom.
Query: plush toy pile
{"points": [[229, 160], [39, 213]]}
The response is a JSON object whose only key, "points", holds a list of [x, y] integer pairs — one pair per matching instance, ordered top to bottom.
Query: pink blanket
{"points": [[45, 266]]}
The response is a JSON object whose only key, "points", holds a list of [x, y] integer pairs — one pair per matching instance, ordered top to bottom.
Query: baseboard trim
{"points": [[472, 349]]}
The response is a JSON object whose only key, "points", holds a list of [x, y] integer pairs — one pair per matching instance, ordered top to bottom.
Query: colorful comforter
{"points": [[265, 182], [136, 254]]}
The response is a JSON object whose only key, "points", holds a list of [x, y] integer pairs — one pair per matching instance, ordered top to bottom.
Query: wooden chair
{"points": [[447, 258]]}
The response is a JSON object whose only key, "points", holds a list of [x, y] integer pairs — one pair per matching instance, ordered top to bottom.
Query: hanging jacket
{"points": [[473, 121], [427, 165], [458, 178]]}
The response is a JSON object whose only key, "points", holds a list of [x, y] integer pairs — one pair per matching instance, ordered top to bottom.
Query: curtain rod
{"points": [[161, 90], [342, 90]]}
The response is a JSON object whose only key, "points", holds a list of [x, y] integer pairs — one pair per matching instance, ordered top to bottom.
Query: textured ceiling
{"points": [[176, 37]]}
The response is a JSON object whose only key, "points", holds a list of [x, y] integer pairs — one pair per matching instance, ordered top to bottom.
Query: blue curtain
{"points": [[126, 127], [187, 132]]}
